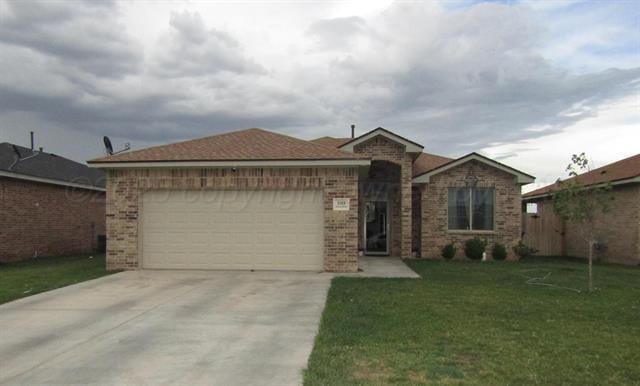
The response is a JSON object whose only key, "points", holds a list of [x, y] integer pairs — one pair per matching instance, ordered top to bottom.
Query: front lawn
{"points": [[30, 277], [480, 323]]}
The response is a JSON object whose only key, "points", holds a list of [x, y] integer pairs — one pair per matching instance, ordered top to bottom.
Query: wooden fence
{"points": [[544, 230]]}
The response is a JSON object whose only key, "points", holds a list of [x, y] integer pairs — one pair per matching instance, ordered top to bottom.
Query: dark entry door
{"points": [[376, 228]]}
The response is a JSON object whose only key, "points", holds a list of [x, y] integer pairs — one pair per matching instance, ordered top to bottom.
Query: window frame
{"points": [[470, 214]]}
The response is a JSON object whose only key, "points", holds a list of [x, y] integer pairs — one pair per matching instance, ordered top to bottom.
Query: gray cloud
{"points": [[337, 33], [79, 34], [193, 50], [462, 80], [454, 81]]}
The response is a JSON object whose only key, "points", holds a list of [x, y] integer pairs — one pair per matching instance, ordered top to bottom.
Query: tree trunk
{"points": [[591, 244]]}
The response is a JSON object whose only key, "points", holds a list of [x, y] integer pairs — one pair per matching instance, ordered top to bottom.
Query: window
{"points": [[532, 208], [471, 209]]}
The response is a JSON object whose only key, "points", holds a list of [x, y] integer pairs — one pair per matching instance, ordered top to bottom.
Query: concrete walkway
{"points": [[389, 267], [165, 327]]}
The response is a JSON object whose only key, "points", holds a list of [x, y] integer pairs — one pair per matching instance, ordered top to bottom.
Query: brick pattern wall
{"points": [[381, 148], [124, 188], [507, 210], [39, 219], [416, 220], [618, 229]]}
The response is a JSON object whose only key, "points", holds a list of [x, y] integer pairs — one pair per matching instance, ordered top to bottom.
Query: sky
{"points": [[526, 82]]}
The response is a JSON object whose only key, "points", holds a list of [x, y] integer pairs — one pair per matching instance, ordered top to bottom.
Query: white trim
{"points": [[410, 147], [224, 164], [424, 178], [49, 181], [613, 183]]}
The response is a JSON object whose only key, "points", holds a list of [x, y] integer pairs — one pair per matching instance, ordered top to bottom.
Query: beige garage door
{"points": [[232, 230]]}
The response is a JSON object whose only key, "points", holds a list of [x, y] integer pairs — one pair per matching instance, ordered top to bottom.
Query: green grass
{"points": [[30, 277], [480, 323]]}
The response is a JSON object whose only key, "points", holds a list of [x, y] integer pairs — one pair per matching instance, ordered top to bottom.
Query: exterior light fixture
{"points": [[471, 180]]}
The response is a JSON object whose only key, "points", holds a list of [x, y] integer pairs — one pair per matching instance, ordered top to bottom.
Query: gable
{"points": [[409, 146], [521, 178]]}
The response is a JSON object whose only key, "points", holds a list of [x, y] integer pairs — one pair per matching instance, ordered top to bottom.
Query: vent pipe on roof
{"points": [[353, 131], [31, 141]]}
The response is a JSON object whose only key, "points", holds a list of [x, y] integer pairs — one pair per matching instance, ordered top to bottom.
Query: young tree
{"points": [[580, 205]]}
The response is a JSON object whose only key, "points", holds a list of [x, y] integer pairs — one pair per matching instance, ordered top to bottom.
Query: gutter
{"points": [[229, 163], [49, 181]]}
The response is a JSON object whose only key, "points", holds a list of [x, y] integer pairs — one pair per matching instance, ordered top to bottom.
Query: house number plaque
{"points": [[341, 204]]}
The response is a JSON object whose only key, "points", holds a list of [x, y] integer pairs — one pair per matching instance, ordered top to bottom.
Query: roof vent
{"points": [[353, 131]]}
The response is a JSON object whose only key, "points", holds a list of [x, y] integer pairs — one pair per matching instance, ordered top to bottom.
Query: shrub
{"points": [[474, 248], [523, 250], [449, 251], [499, 252]]}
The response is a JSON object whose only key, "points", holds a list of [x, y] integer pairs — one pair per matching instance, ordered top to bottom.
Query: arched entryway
{"points": [[380, 227]]}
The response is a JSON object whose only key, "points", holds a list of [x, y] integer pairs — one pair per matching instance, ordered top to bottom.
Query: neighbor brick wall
{"points": [[381, 148], [124, 188], [507, 211], [39, 219], [618, 229]]}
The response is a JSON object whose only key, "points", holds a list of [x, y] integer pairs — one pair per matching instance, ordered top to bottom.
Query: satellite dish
{"points": [[107, 145]]}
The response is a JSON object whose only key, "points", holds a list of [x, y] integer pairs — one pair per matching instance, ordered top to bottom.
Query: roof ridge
{"points": [[180, 142], [245, 144], [39, 152]]}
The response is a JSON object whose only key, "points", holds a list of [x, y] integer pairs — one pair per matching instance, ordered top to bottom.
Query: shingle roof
{"points": [[331, 141], [243, 145], [426, 162], [48, 166], [620, 170]]}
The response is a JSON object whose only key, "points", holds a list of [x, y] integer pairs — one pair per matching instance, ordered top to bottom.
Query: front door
{"points": [[376, 228]]}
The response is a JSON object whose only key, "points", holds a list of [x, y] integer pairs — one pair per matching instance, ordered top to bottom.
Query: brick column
{"points": [[405, 206], [122, 220]]}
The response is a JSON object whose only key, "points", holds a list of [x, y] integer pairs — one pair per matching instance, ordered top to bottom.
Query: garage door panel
{"points": [[233, 230]]}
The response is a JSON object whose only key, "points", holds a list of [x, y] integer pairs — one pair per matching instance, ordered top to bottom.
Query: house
{"points": [[254, 199], [49, 205], [618, 230]]}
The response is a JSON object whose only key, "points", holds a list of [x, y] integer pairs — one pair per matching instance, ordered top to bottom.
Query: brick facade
{"points": [[382, 149], [124, 187], [507, 210], [417, 213], [38, 219], [416, 220], [618, 229]]}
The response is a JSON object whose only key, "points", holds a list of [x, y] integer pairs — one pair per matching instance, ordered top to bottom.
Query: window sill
{"points": [[471, 232]]}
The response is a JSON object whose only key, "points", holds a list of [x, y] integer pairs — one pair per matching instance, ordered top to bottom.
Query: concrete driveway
{"points": [[161, 327]]}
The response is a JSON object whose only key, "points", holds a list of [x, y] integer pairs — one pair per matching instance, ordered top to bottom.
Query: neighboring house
{"points": [[254, 199], [49, 205], [617, 230]]}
